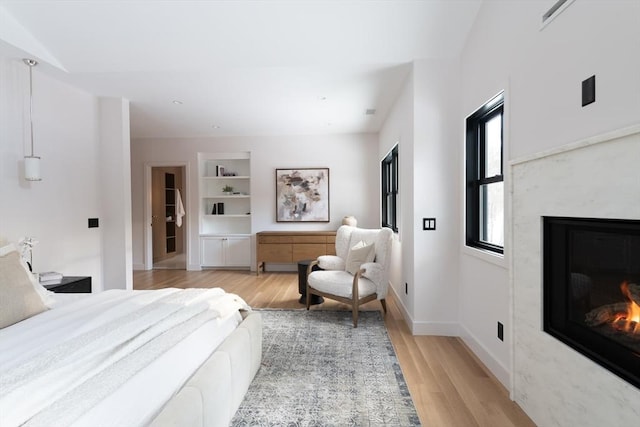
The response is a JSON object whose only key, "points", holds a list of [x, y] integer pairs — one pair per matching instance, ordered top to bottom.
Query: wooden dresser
{"points": [[292, 246]]}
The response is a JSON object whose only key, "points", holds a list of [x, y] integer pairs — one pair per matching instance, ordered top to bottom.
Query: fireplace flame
{"points": [[629, 321]]}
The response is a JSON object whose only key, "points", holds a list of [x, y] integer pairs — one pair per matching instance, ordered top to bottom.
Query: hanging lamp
{"points": [[31, 162]]}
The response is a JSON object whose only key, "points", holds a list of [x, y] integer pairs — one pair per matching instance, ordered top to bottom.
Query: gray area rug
{"points": [[317, 370]]}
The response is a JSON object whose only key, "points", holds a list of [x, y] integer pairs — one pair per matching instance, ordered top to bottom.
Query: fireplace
{"points": [[591, 288]]}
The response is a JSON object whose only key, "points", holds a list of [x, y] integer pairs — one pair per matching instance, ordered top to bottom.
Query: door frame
{"points": [[146, 227]]}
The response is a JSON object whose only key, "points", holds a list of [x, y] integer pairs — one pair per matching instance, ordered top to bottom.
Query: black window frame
{"points": [[475, 170], [390, 186]]}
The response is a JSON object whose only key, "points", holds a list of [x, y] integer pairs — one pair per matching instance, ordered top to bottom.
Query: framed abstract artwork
{"points": [[302, 195]]}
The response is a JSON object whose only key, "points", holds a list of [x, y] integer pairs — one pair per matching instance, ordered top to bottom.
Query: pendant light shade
{"points": [[32, 162], [32, 168]]}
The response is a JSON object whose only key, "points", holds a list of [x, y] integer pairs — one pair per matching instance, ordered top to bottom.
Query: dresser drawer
{"points": [[275, 239], [310, 239], [291, 246], [308, 251], [275, 252]]}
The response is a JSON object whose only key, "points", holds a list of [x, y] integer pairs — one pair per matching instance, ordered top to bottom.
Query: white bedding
{"points": [[57, 389]]}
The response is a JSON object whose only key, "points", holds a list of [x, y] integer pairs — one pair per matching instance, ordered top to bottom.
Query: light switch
{"points": [[589, 90], [428, 223]]}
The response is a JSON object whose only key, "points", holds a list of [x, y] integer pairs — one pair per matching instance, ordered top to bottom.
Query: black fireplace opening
{"points": [[591, 289]]}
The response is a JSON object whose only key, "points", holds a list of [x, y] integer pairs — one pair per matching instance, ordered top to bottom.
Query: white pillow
{"points": [[358, 255], [45, 294], [18, 298]]}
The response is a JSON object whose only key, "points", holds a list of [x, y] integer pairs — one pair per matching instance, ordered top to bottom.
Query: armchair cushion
{"points": [[358, 255], [331, 262], [340, 283]]}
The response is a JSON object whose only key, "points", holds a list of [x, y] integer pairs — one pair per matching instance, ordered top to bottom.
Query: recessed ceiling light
{"points": [[322, 98], [175, 101], [215, 126]]}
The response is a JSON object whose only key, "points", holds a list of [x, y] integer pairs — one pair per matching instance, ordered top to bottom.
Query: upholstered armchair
{"points": [[358, 273]]}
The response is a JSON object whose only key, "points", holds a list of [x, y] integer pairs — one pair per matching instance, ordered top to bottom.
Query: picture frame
{"points": [[302, 195]]}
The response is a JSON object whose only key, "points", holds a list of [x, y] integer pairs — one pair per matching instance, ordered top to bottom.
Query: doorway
{"points": [[168, 218]]}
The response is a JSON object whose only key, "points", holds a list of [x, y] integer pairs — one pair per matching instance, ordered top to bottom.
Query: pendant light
{"points": [[32, 162]]}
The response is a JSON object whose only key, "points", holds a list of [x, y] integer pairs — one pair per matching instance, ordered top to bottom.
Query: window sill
{"points": [[485, 255]]}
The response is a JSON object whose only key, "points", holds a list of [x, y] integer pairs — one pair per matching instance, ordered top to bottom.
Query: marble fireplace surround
{"points": [[599, 178]]}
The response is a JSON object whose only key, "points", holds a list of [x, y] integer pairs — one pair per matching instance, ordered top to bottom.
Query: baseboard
{"points": [[138, 267], [194, 267], [403, 310], [442, 329], [446, 329], [454, 329], [497, 369]]}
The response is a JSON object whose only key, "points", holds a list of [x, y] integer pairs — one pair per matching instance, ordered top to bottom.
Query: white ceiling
{"points": [[238, 67]]}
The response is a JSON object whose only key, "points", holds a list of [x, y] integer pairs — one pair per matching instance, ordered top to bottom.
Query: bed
{"points": [[170, 357]]}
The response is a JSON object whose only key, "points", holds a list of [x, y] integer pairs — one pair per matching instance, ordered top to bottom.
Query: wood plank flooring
{"points": [[448, 384]]}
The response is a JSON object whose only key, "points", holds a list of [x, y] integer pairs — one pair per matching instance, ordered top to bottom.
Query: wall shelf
{"points": [[170, 212], [225, 238]]}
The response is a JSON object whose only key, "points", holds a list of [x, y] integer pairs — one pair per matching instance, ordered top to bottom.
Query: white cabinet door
{"points": [[225, 251], [212, 252], [238, 252]]}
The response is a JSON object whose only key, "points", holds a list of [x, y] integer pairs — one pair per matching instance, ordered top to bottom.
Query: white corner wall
{"points": [[541, 72], [424, 122], [398, 129], [115, 178], [353, 179], [435, 193], [55, 210]]}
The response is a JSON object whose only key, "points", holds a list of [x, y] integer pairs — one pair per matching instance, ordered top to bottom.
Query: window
{"points": [[484, 177], [390, 190]]}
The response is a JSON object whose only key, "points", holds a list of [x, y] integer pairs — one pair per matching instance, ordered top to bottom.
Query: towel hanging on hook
{"points": [[179, 209]]}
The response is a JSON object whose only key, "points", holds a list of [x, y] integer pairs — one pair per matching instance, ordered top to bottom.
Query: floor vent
{"points": [[555, 10]]}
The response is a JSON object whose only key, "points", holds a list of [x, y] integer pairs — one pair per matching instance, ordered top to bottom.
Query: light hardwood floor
{"points": [[448, 384]]}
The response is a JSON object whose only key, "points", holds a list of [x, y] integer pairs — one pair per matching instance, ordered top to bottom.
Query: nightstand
{"points": [[72, 285]]}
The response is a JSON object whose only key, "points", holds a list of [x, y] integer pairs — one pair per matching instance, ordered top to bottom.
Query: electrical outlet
{"points": [[500, 331]]}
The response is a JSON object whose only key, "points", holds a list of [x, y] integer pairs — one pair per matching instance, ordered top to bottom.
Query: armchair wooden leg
{"points": [[384, 305], [355, 316]]}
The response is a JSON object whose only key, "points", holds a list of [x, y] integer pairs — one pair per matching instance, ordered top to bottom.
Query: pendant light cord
{"points": [[31, 63], [31, 104]]}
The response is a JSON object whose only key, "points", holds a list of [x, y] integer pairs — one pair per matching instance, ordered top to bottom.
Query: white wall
{"points": [[541, 72], [424, 122], [398, 129], [79, 177], [115, 178], [353, 178], [435, 195], [54, 210], [485, 297]]}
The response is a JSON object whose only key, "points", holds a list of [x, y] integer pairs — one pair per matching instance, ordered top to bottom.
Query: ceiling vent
{"points": [[554, 11], [370, 111]]}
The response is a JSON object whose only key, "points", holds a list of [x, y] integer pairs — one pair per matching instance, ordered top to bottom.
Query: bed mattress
{"points": [[52, 399]]}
